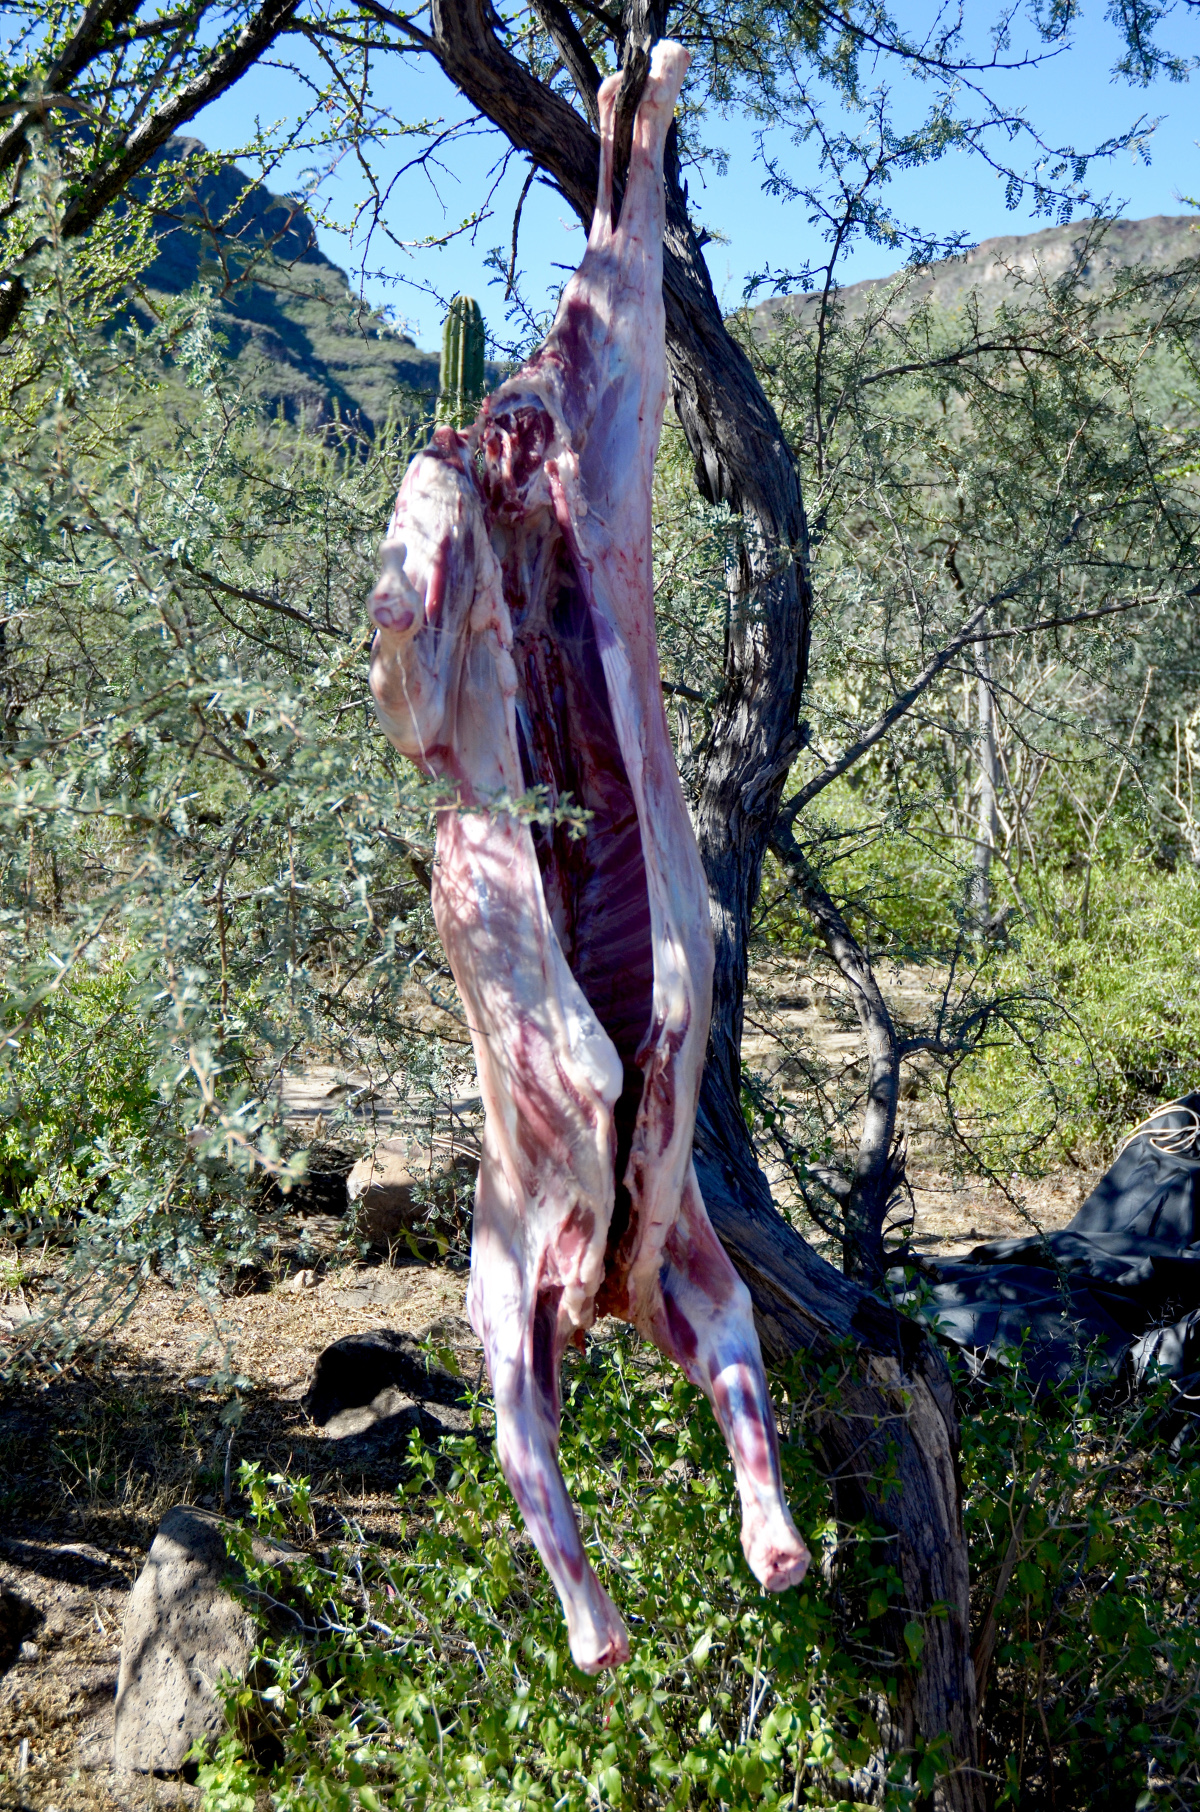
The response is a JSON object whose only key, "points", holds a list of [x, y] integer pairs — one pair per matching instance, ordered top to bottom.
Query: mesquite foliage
{"points": [[1028, 476], [208, 848]]}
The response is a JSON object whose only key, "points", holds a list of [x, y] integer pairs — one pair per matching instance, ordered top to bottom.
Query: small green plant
{"points": [[1128, 1037], [80, 1083], [1083, 1518], [438, 1674]]}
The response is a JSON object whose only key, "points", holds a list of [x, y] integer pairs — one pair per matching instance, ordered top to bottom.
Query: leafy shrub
{"points": [[190, 776], [1079, 1023], [1128, 1037], [79, 1085], [98, 1158], [1084, 1531], [436, 1674], [439, 1675]]}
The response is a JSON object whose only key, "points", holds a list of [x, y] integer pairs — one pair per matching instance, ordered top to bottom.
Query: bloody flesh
{"points": [[515, 649]]}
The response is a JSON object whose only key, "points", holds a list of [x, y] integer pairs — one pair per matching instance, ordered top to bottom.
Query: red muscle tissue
{"points": [[515, 648]]}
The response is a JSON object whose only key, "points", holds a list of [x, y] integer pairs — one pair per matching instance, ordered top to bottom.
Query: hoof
{"points": [[391, 617], [777, 1558], [598, 1638], [590, 1659]]}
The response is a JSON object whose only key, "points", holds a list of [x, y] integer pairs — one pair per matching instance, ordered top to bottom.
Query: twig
{"points": [[512, 260], [227, 1481], [985, 1648]]}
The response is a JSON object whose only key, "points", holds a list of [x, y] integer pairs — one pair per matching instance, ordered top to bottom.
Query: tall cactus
{"points": [[462, 382]]}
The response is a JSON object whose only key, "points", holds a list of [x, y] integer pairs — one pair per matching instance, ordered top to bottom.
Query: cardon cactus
{"points": [[462, 381]]}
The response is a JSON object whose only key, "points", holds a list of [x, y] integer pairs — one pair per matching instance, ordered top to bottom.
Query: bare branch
{"points": [[577, 58], [970, 633], [880, 1165]]}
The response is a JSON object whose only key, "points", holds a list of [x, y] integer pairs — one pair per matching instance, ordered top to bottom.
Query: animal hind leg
{"points": [[703, 1320], [518, 1325]]}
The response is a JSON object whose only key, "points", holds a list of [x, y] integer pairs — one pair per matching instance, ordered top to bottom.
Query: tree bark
{"points": [[897, 1412]]}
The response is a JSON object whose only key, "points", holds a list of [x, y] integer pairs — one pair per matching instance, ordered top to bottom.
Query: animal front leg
{"points": [[703, 1321], [520, 1338]]}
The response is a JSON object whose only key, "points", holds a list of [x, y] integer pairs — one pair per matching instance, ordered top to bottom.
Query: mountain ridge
{"points": [[995, 268], [298, 336], [306, 345]]}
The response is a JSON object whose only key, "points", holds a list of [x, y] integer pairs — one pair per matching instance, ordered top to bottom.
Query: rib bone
{"points": [[515, 649]]}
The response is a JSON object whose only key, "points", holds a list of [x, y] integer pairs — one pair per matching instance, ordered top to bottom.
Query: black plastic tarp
{"points": [[1115, 1292]]}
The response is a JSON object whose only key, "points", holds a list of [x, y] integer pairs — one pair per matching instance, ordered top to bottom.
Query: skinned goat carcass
{"points": [[515, 650]]}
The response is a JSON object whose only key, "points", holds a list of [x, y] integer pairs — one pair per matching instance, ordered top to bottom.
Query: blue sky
{"points": [[1072, 100]]}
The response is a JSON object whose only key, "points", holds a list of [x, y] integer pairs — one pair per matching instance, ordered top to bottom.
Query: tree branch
{"points": [[643, 23], [255, 37], [81, 49], [577, 58], [87, 206], [968, 634], [882, 725], [878, 1169]]}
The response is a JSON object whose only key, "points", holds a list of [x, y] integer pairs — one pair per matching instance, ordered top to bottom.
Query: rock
{"points": [[393, 1186], [302, 1280], [378, 1386], [390, 1413], [18, 1618], [182, 1632]]}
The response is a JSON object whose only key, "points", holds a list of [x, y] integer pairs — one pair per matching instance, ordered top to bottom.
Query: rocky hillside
{"points": [[996, 267], [296, 332], [304, 342]]}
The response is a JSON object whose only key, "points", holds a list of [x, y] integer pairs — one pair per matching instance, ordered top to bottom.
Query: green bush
{"points": [[190, 777], [1127, 1034], [80, 1084], [98, 1159], [1084, 1533], [436, 1674]]}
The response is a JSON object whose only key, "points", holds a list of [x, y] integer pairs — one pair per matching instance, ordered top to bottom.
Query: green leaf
{"points": [[609, 1782]]}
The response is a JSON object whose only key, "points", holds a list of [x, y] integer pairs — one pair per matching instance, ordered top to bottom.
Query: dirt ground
{"points": [[955, 1214], [89, 1464]]}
